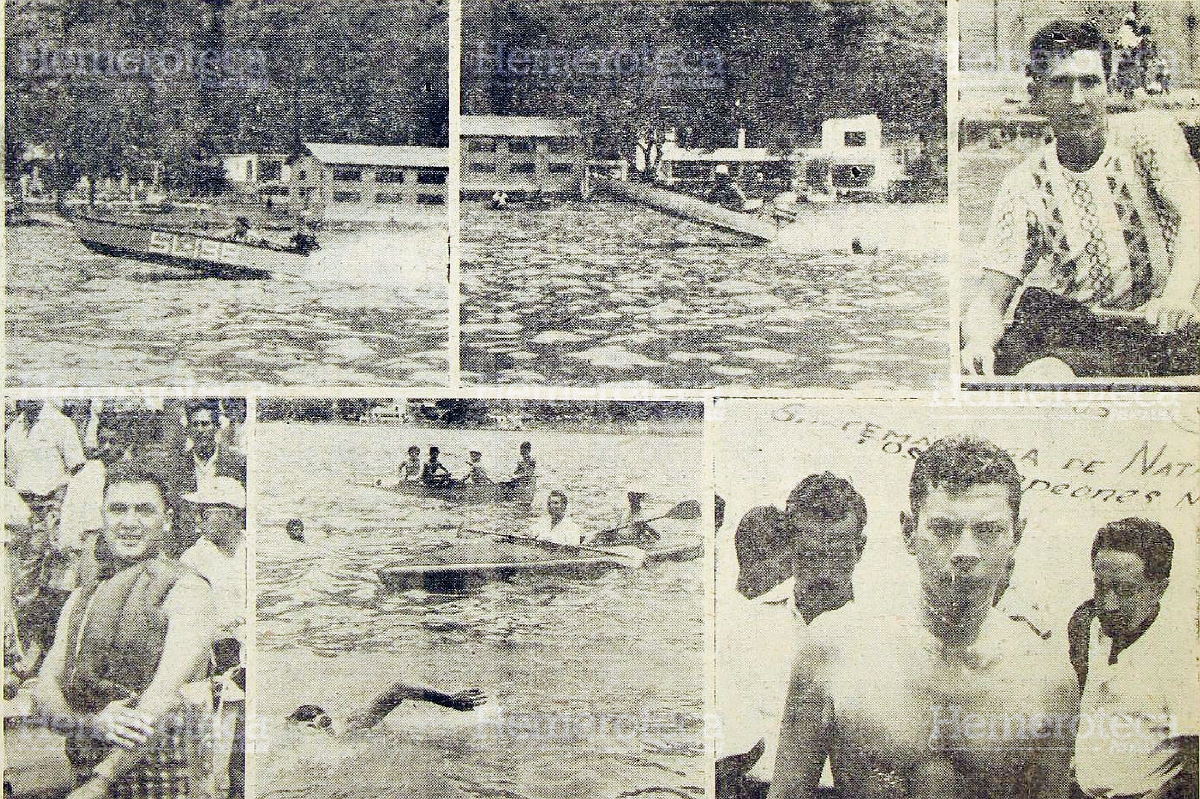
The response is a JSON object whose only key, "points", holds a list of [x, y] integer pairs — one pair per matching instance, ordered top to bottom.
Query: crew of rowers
{"points": [[434, 471]]}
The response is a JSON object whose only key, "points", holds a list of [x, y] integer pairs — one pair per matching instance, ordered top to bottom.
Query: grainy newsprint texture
{"points": [[538, 399], [987, 599]]}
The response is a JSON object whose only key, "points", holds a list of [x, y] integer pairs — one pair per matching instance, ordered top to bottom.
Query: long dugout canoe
{"points": [[693, 208]]}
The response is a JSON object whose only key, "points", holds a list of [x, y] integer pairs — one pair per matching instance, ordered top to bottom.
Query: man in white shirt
{"points": [[1105, 219], [42, 452], [556, 526], [219, 555], [1138, 714]]}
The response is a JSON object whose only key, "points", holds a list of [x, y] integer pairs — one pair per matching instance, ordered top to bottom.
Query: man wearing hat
{"points": [[475, 472], [219, 555]]}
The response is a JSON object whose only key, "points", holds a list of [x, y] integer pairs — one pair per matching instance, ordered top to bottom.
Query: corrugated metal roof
{"points": [[518, 126], [379, 154]]}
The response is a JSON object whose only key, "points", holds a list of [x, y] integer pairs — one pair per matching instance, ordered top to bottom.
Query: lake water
{"points": [[603, 293], [368, 309], [595, 685]]}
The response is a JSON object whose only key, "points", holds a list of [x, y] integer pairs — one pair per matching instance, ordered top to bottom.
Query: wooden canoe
{"points": [[676, 203], [205, 254], [519, 491], [455, 566]]}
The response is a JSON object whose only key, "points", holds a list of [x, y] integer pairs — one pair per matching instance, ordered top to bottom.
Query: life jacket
{"points": [[116, 634]]}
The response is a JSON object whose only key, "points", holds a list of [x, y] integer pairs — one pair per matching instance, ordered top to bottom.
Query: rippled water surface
{"points": [[602, 293], [368, 309], [607, 669]]}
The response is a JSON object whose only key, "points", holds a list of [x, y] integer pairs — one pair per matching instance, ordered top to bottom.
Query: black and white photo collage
{"points": [[541, 399]]}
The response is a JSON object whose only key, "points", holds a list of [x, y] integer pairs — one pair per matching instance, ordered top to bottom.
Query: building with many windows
{"points": [[520, 154], [345, 182]]}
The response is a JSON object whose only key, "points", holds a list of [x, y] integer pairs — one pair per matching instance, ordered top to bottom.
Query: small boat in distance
{"points": [[209, 255], [519, 491]]}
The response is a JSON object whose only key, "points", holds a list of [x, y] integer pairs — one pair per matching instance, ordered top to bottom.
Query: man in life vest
{"points": [[130, 642]]}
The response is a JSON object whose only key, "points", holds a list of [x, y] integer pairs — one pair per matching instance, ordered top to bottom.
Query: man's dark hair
{"points": [[1060, 39], [203, 405], [526, 445], [414, 448], [958, 463], [138, 473], [557, 493], [828, 497], [1149, 540], [307, 713]]}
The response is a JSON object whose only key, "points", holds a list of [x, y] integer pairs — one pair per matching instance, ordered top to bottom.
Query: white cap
{"points": [[220, 491]]}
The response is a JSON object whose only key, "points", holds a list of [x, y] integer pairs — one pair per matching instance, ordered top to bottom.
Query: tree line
{"points": [[260, 77]]}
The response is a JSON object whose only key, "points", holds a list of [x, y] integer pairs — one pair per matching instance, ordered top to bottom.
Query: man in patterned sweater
{"points": [[1099, 230]]}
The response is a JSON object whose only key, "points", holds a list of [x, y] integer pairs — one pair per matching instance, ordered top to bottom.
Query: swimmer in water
{"points": [[295, 530], [316, 717]]}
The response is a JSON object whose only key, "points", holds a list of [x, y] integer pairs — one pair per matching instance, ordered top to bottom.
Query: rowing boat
{"points": [[756, 226], [206, 254], [520, 491], [453, 566]]}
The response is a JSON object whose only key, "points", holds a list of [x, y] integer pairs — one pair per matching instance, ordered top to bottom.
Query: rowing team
{"points": [[434, 471]]}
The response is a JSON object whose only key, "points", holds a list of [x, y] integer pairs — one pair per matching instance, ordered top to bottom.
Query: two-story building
{"points": [[520, 154], [852, 159]]}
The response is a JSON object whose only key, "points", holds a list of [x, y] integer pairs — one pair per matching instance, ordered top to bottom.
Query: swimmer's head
{"points": [[526, 448], [414, 450], [965, 494], [295, 529], [313, 717]]}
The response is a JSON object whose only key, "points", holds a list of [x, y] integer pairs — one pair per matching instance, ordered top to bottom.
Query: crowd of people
{"points": [[125, 536], [966, 694]]}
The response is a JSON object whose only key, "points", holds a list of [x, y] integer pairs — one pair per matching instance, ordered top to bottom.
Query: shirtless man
{"points": [[949, 698], [315, 717]]}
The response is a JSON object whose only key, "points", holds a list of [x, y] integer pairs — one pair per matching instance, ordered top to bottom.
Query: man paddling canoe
{"points": [[555, 526]]}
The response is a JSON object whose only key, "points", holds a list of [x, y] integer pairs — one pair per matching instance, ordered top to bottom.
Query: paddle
{"points": [[688, 510], [628, 556]]}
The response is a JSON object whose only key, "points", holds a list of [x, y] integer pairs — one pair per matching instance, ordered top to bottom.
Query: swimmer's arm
{"points": [[48, 695], [388, 700], [805, 736]]}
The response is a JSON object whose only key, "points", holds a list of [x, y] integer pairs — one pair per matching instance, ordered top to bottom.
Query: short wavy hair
{"points": [[1060, 39], [958, 463], [828, 497], [1149, 540]]}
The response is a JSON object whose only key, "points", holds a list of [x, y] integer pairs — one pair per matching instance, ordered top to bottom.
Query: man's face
{"points": [[1072, 94], [202, 427], [110, 444], [556, 506], [136, 520], [221, 524], [963, 543], [825, 554], [1123, 595]]}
